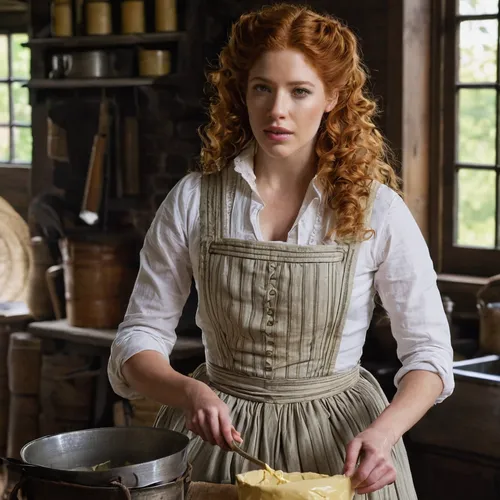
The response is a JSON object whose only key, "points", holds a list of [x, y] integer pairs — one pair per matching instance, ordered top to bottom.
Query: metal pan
{"points": [[156, 456]]}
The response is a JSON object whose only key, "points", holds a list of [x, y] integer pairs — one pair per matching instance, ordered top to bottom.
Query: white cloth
{"points": [[395, 262]]}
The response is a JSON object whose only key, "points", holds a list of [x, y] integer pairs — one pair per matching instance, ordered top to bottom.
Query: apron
{"points": [[278, 312]]}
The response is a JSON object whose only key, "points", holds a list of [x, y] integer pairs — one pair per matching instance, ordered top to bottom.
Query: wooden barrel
{"points": [[99, 274], [38, 299], [5, 331], [4, 349], [24, 360], [4, 388], [67, 388], [144, 412], [135, 413], [4, 418], [23, 423], [50, 425]]}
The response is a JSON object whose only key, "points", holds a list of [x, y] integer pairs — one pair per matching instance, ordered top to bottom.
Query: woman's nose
{"points": [[278, 106]]}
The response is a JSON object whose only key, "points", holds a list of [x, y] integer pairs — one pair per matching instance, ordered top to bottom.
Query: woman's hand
{"points": [[208, 417], [376, 470]]}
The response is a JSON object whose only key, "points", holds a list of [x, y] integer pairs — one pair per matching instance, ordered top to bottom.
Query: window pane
{"points": [[478, 7], [478, 51], [4, 57], [20, 57], [20, 99], [4, 104], [476, 126], [4, 144], [22, 145], [476, 214]]}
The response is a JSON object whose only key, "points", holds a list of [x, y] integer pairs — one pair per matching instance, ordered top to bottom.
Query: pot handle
{"points": [[17, 465], [29, 469], [123, 488], [15, 490]]}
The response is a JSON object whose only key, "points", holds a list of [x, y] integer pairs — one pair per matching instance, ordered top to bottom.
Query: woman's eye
{"points": [[261, 88], [301, 92]]}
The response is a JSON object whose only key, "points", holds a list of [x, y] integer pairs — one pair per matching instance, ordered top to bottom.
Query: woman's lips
{"points": [[278, 134]]}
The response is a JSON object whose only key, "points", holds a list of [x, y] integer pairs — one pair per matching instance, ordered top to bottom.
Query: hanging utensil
{"points": [[94, 185]]}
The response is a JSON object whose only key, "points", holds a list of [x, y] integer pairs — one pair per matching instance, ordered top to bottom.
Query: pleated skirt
{"points": [[303, 436]]}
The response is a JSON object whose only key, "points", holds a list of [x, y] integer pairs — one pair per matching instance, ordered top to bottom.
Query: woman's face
{"points": [[286, 100]]}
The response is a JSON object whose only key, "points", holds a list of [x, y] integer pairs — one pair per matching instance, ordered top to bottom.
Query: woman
{"points": [[291, 228]]}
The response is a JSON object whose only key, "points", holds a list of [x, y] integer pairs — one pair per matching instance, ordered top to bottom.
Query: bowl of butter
{"points": [[268, 484]]}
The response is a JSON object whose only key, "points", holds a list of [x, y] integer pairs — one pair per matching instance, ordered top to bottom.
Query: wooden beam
{"points": [[408, 107], [416, 108]]}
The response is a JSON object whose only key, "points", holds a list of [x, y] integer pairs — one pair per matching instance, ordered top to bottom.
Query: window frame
{"points": [[9, 81], [451, 258]]}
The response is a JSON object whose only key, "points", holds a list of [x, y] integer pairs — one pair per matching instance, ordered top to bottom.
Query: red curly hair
{"points": [[351, 151]]}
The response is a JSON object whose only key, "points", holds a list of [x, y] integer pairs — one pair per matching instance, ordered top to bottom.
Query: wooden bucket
{"points": [[99, 274], [39, 299], [488, 306], [6, 328], [4, 349], [24, 361], [4, 387], [67, 388], [135, 413], [4, 416], [23, 423], [50, 425]]}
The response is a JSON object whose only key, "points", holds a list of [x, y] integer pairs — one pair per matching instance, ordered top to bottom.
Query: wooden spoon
{"points": [[244, 454]]}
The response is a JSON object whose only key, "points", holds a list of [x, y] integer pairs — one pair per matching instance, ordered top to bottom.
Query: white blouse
{"points": [[395, 262]]}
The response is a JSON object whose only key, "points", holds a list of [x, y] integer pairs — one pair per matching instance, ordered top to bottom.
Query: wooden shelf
{"points": [[96, 41], [71, 83], [59, 329], [185, 347]]}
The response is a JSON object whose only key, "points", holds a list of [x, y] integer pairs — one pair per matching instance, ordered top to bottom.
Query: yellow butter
{"points": [[277, 485]]}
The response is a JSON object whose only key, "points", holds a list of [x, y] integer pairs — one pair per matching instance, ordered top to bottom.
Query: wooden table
{"points": [[187, 353], [209, 491]]}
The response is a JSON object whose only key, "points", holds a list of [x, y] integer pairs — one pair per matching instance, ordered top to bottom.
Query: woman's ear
{"points": [[332, 101]]}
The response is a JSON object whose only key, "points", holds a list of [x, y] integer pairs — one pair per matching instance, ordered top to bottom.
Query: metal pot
{"points": [[89, 64], [156, 456], [41, 489]]}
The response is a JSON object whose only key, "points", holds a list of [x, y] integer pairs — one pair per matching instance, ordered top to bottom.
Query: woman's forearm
{"points": [[151, 375], [417, 392]]}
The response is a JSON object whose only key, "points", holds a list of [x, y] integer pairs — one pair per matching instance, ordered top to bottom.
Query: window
{"points": [[15, 110], [471, 139]]}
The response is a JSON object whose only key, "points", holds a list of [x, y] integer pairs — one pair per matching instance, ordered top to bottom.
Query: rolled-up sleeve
{"points": [[406, 282], [160, 292]]}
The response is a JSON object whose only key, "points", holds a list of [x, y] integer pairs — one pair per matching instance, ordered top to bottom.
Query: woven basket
{"points": [[15, 255]]}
